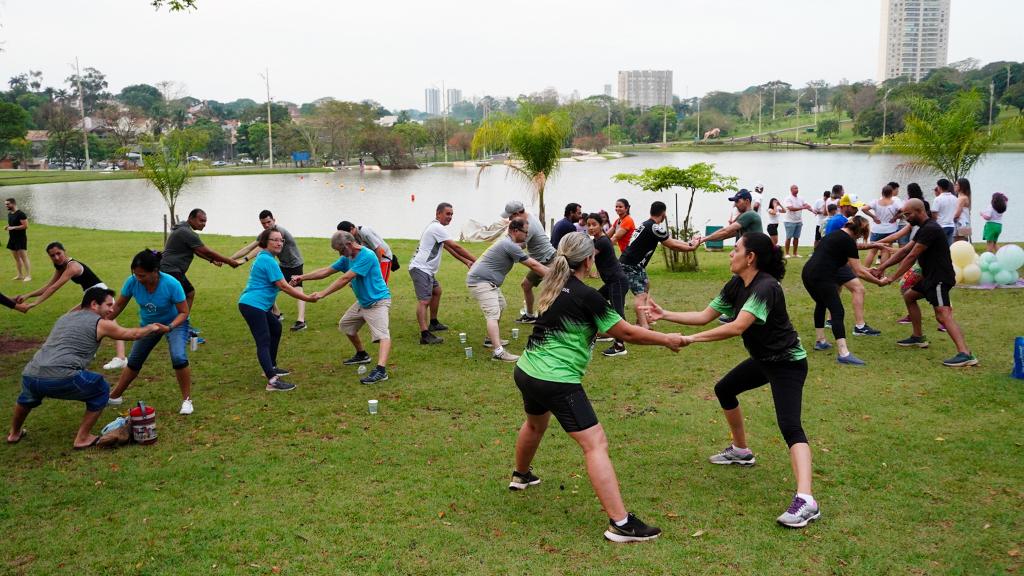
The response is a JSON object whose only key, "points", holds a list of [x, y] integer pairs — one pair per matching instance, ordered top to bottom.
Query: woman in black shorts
{"points": [[775, 209], [834, 262], [615, 282], [754, 297], [549, 375]]}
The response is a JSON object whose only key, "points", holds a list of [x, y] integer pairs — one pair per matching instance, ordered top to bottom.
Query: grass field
{"points": [[918, 467]]}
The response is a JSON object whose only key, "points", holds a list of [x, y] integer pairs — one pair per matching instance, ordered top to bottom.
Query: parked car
{"points": [[194, 159], [245, 161], [219, 163]]}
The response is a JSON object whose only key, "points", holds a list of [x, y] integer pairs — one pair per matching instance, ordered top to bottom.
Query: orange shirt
{"points": [[627, 225]]}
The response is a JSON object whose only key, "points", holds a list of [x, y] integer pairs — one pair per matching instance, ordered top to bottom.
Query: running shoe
{"points": [[280, 317], [526, 319], [725, 319], [904, 320], [828, 323], [298, 326], [436, 326], [942, 328], [867, 330], [429, 338], [604, 339], [919, 341], [489, 344], [822, 345], [615, 350], [505, 356], [361, 357], [961, 359], [850, 360], [116, 364], [281, 371], [375, 375], [280, 386], [115, 401], [186, 407], [733, 456], [523, 481], [799, 514], [634, 530]]}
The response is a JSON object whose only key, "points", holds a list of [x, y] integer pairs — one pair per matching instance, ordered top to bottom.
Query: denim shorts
{"points": [[793, 229], [876, 236], [177, 342], [88, 387]]}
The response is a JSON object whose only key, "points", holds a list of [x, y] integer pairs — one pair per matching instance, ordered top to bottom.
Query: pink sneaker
{"points": [[904, 320]]}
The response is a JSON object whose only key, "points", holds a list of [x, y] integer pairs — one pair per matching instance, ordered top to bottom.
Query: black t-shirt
{"points": [[14, 219], [560, 229], [644, 242], [833, 252], [936, 263], [607, 264], [87, 279], [771, 338]]}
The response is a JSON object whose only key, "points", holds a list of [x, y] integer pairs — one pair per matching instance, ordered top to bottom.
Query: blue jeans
{"points": [[793, 229], [950, 233], [904, 240], [266, 331], [177, 343], [85, 386]]}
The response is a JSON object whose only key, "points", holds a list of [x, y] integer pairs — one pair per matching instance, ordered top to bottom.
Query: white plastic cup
{"points": [[515, 333], [462, 337], [194, 343], [469, 352], [361, 369], [372, 406]]}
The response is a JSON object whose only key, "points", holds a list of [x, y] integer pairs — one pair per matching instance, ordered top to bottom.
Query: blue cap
{"points": [[743, 194]]}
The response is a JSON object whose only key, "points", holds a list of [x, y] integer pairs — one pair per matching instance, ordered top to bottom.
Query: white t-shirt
{"points": [[755, 200], [793, 205], [820, 207], [943, 208], [886, 214], [993, 216], [428, 254]]}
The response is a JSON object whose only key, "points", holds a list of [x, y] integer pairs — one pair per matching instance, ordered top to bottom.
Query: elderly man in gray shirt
{"points": [[538, 245], [488, 274]]}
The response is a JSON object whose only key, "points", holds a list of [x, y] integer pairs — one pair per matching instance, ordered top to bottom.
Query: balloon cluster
{"points": [[1000, 268]]}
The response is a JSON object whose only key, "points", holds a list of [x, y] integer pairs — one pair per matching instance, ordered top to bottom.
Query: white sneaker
{"points": [[116, 364], [115, 401], [186, 407]]}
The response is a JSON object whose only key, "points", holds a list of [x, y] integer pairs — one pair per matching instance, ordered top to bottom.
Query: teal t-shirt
{"points": [[369, 283], [260, 292], [159, 306]]}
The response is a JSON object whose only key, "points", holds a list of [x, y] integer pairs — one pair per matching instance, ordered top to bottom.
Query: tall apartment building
{"points": [[914, 39], [645, 88], [607, 89], [454, 97], [433, 104]]}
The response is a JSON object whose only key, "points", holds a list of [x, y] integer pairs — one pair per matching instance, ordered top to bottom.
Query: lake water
{"points": [[313, 204]]}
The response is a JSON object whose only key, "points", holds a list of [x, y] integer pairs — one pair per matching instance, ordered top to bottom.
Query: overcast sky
{"points": [[390, 50]]}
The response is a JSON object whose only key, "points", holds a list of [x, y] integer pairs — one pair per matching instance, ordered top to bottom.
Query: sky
{"points": [[391, 50]]}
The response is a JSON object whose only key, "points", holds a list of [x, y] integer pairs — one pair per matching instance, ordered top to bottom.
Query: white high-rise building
{"points": [[914, 38], [645, 88], [607, 89], [454, 97], [433, 104]]}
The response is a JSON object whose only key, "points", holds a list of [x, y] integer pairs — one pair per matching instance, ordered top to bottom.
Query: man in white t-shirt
{"points": [[944, 207], [821, 210], [794, 221], [423, 269]]}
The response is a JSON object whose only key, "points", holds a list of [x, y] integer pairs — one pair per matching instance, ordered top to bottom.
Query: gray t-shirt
{"points": [[372, 240], [538, 243], [180, 247], [290, 257], [494, 264], [69, 348]]}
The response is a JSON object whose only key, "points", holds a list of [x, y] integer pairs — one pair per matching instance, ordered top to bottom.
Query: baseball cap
{"points": [[759, 187], [743, 194], [850, 200], [512, 207]]}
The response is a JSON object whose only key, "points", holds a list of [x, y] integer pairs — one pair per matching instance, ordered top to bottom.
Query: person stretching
{"points": [[423, 269]]}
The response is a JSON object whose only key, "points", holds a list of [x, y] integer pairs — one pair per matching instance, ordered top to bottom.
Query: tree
{"points": [[174, 5], [93, 84], [142, 96], [1015, 97], [724, 102], [748, 106], [14, 123], [340, 124], [828, 127], [62, 132], [413, 135], [535, 140], [461, 141], [949, 142], [386, 149], [20, 150], [166, 169], [699, 176]]}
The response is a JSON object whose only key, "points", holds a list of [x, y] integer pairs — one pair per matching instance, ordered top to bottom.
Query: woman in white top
{"points": [[774, 209], [962, 216], [886, 221]]}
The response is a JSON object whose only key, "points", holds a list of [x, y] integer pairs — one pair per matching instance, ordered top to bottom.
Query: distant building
{"points": [[914, 38], [645, 88], [607, 89], [454, 97], [433, 104], [387, 121]]}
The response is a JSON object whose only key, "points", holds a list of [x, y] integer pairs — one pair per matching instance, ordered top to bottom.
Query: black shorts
{"points": [[773, 229], [818, 233], [17, 242], [289, 272], [844, 275], [185, 284], [936, 293], [568, 402]]}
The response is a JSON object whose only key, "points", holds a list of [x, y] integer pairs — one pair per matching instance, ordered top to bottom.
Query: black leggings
{"points": [[614, 291], [825, 294], [266, 331], [787, 381]]}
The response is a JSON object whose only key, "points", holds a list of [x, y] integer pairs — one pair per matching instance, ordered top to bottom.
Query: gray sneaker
{"points": [[489, 344], [505, 356], [961, 359], [280, 386], [731, 456], [799, 514]]}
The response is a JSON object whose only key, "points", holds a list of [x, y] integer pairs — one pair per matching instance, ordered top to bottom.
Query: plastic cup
{"points": [[515, 333], [462, 337], [194, 343], [469, 352], [372, 406]]}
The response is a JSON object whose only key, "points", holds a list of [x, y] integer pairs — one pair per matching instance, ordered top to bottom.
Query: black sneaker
{"points": [[280, 317], [526, 319], [723, 319], [298, 326], [436, 326], [866, 331], [429, 338], [918, 341], [489, 344], [615, 350], [360, 358], [278, 371], [375, 375], [280, 386], [523, 481], [634, 530]]}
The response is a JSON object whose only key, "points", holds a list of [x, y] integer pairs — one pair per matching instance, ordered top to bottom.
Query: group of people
{"points": [[568, 315]]}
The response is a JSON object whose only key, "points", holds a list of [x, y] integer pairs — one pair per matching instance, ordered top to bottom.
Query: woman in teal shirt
{"points": [[256, 301]]}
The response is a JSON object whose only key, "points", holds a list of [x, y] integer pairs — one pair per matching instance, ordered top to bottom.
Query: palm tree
{"points": [[535, 141], [949, 142], [168, 172]]}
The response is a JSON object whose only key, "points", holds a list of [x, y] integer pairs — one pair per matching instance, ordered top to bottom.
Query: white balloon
{"points": [[962, 253], [1010, 257], [971, 274]]}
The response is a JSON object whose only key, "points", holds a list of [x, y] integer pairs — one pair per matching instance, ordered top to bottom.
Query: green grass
{"points": [[19, 177], [918, 467]]}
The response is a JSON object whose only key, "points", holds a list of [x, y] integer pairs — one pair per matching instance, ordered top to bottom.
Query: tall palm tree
{"points": [[533, 140]]}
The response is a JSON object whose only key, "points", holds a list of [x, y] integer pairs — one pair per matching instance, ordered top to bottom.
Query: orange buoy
{"points": [[412, 197]]}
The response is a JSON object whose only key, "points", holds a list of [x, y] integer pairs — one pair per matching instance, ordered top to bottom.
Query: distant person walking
{"points": [[17, 239]]}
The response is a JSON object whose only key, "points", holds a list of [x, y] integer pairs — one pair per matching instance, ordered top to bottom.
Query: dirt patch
{"points": [[10, 345]]}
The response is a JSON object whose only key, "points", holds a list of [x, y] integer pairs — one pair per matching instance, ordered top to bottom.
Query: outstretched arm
{"points": [[721, 234], [680, 246], [249, 251], [460, 253], [215, 257], [909, 261], [537, 267], [314, 275], [56, 281], [335, 286], [295, 292], [655, 312], [738, 326], [111, 329], [627, 332]]}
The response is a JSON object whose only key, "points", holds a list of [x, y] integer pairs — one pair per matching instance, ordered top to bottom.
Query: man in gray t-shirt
{"points": [[369, 238], [182, 244], [538, 245], [290, 261], [488, 274]]}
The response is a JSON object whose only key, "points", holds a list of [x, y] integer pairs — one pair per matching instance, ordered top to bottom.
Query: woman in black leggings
{"points": [[835, 257], [615, 283], [754, 297]]}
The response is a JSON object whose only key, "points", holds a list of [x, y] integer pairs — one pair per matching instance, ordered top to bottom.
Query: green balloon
{"points": [[987, 257], [983, 264], [994, 267], [1006, 277], [986, 278]]}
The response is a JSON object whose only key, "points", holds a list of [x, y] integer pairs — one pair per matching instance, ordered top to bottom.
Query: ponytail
{"points": [[573, 251], [768, 255]]}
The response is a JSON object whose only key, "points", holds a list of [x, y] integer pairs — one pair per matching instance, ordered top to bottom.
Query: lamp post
{"points": [[81, 108], [885, 110], [270, 125]]}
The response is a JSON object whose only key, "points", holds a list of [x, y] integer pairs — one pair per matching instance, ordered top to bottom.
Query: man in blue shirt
{"points": [[573, 213], [361, 269]]}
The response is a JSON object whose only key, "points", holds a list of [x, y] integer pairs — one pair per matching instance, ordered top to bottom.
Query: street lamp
{"points": [[885, 102], [270, 125]]}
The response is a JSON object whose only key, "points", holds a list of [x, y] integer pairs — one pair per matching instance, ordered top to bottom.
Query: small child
{"points": [[994, 221]]}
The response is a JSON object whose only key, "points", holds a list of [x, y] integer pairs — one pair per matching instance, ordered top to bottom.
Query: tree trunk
{"points": [[540, 196]]}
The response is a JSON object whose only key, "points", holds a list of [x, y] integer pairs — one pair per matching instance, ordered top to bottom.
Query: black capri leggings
{"points": [[614, 290], [825, 294], [266, 331], [787, 381]]}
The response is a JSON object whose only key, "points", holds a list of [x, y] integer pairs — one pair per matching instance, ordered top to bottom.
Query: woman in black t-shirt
{"points": [[835, 251], [615, 283], [755, 299]]}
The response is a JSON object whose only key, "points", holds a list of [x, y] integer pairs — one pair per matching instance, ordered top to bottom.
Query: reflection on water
{"points": [[313, 204]]}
